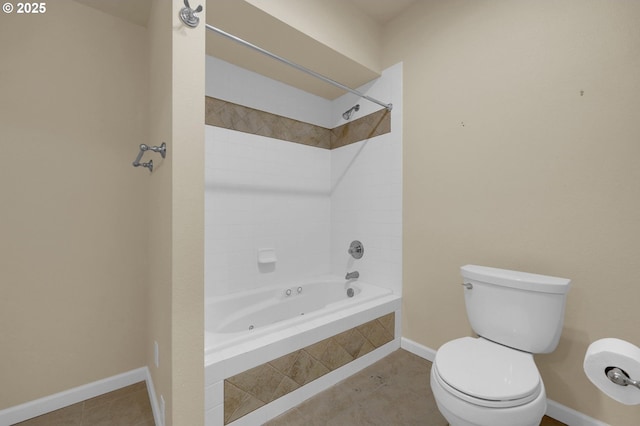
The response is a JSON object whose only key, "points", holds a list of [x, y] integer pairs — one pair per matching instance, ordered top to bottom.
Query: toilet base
{"points": [[462, 413]]}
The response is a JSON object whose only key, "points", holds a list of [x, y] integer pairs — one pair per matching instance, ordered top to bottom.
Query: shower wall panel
{"points": [[263, 193], [366, 193], [306, 202]]}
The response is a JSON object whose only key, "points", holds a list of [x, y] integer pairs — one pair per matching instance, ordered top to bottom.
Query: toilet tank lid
{"points": [[516, 279]]}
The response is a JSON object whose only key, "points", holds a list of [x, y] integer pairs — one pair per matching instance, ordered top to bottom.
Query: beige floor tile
{"points": [[393, 391], [111, 396], [128, 406], [131, 409], [67, 416], [296, 417], [548, 421], [146, 423]]}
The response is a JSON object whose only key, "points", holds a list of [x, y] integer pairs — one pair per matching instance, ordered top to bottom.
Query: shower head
{"points": [[347, 114]]}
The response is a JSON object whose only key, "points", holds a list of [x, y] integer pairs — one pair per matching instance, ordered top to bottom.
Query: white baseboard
{"points": [[418, 349], [63, 399], [554, 409], [158, 415], [570, 416]]}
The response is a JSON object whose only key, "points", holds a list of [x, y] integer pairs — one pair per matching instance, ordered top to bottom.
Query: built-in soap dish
{"points": [[267, 255]]}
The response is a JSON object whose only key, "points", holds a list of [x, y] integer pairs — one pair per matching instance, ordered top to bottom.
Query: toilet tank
{"points": [[517, 309]]}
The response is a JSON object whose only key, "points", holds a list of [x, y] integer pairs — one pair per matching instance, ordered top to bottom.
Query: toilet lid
{"points": [[488, 371]]}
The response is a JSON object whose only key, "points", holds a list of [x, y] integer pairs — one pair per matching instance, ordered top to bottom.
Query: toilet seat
{"points": [[485, 373]]}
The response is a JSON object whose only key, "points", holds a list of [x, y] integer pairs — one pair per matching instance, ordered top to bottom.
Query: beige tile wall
{"points": [[232, 116], [375, 124], [251, 389]]}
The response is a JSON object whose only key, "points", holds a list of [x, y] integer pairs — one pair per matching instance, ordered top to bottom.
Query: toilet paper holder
{"points": [[620, 377]]}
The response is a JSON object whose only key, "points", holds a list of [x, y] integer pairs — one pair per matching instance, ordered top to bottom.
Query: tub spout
{"points": [[352, 275]]}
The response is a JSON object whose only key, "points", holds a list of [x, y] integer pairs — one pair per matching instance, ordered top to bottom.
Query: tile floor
{"points": [[393, 391], [128, 406]]}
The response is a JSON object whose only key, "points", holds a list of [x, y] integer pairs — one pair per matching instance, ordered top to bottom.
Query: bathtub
{"points": [[243, 317], [248, 329]]}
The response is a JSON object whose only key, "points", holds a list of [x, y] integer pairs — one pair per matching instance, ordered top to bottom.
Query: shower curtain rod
{"points": [[296, 66]]}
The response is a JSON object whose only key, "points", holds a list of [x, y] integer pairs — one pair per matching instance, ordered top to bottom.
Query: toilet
{"points": [[492, 379]]}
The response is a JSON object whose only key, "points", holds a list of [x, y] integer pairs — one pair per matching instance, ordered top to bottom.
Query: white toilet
{"points": [[492, 380]]}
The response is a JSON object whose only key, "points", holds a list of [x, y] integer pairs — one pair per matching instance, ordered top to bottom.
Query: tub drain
{"points": [[250, 327]]}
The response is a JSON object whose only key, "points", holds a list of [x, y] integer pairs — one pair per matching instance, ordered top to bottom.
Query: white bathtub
{"points": [[238, 318], [245, 330]]}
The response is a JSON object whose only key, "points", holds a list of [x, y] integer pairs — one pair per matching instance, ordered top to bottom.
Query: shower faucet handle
{"points": [[356, 249]]}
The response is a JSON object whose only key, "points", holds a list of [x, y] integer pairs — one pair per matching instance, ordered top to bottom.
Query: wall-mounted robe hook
{"points": [[187, 15], [162, 149]]}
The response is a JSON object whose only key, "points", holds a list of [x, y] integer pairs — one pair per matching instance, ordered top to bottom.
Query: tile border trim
{"points": [[232, 116]]}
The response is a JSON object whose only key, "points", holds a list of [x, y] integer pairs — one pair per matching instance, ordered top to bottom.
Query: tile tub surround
{"points": [[232, 116], [307, 203], [265, 383], [392, 391], [126, 406]]}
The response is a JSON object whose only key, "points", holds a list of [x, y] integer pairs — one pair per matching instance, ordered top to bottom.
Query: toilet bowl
{"points": [[492, 380], [476, 382]]}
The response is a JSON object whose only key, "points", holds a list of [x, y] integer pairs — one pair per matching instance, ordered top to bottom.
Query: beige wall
{"points": [[335, 23], [282, 27], [521, 151], [160, 207], [176, 209], [73, 235], [100, 259], [187, 296]]}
